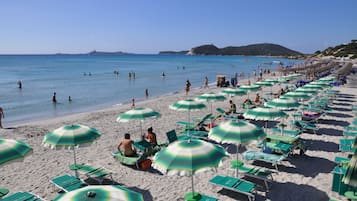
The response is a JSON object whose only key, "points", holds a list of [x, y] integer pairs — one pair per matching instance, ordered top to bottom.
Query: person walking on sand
{"points": [[206, 82], [188, 85], [147, 93], [54, 99], [132, 103], [2, 116]]}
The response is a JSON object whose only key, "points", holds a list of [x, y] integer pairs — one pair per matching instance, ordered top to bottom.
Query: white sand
{"points": [[306, 177]]}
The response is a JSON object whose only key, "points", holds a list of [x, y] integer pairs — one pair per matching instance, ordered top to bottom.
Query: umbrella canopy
{"points": [[328, 78], [271, 81], [263, 84], [321, 84], [313, 86], [249, 88], [306, 90], [233, 91], [297, 95], [210, 96], [283, 103], [187, 105], [264, 113], [137, 114], [239, 132], [70, 136], [12, 149], [188, 157], [350, 177], [101, 193]]}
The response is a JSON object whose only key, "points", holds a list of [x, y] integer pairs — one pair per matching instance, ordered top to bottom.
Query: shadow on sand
{"points": [[343, 104], [340, 115], [333, 122], [329, 131], [318, 145], [291, 191]]}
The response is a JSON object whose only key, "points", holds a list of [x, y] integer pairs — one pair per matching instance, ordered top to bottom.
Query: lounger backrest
{"points": [[205, 118], [171, 136]]}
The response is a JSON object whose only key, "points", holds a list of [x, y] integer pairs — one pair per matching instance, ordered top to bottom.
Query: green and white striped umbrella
{"points": [[328, 78], [283, 80], [271, 81], [263, 84], [321, 84], [312, 86], [249, 88], [306, 90], [233, 91], [297, 95], [211, 97], [283, 103], [187, 105], [139, 113], [264, 113], [236, 132], [70, 136], [11, 150], [188, 157], [350, 177], [101, 193]]}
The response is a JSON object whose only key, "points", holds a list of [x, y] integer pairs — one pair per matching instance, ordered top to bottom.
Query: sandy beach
{"points": [[300, 177]]}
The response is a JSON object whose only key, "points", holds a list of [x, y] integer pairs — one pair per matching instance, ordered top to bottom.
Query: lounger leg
{"points": [[266, 185]]}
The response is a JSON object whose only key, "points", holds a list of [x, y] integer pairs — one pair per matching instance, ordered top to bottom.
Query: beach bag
{"points": [[145, 164]]}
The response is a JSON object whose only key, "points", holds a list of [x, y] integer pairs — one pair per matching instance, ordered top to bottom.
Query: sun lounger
{"points": [[304, 125], [194, 126], [350, 128], [285, 131], [350, 133], [172, 136], [346, 145], [274, 159], [130, 160], [342, 160], [253, 171], [97, 174], [67, 182], [235, 184], [22, 196]]}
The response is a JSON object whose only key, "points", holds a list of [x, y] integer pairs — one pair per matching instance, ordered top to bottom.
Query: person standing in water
{"points": [[206, 82], [19, 83], [188, 85], [147, 93], [54, 99], [69, 99], [132, 103], [2, 116]]}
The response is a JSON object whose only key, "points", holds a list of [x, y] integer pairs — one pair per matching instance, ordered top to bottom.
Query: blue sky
{"points": [[149, 26]]}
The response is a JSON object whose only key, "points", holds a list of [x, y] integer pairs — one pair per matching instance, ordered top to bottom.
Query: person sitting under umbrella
{"points": [[257, 100], [232, 108], [151, 137], [127, 144]]}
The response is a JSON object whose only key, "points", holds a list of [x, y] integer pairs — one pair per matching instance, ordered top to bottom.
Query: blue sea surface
{"points": [[42, 75]]}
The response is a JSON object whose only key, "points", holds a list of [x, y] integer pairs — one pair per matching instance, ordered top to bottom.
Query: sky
{"points": [[150, 26]]}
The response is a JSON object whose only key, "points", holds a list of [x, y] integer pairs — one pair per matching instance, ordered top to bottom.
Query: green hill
{"points": [[345, 50]]}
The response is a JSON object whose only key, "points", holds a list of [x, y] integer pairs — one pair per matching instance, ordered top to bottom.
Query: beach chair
{"points": [[194, 126], [304, 126], [280, 131], [350, 133], [172, 136], [346, 145], [274, 159], [131, 160], [342, 161], [253, 171], [97, 174], [67, 182], [235, 184], [22, 196]]}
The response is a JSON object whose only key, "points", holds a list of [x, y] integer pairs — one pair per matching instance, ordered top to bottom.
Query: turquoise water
{"points": [[64, 74]]}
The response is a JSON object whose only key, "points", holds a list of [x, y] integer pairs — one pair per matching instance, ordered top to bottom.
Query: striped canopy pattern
{"points": [[328, 78], [271, 81], [263, 84], [321, 84], [313, 86], [249, 87], [306, 90], [233, 91], [297, 95], [210, 96], [283, 103], [187, 105], [139, 113], [264, 113], [236, 132], [70, 135], [12, 149], [188, 157], [350, 177], [101, 193]]}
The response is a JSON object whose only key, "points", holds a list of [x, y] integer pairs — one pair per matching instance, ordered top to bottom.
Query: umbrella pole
{"points": [[211, 113], [141, 128], [237, 159], [75, 162], [193, 192]]}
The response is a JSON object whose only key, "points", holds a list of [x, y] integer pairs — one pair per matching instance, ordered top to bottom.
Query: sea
{"points": [[92, 83]]}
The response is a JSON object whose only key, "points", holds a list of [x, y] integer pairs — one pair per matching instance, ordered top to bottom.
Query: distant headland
{"points": [[262, 49]]}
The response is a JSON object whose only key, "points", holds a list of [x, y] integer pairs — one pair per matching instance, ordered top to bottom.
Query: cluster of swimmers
{"points": [[89, 74], [54, 98]]}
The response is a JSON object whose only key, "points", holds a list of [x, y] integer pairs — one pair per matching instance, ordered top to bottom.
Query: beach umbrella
{"points": [[328, 78], [271, 81], [263, 84], [321, 84], [312, 86], [249, 88], [306, 90], [233, 91], [297, 95], [210, 97], [283, 103], [187, 105], [139, 114], [265, 114], [236, 132], [70, 136], [10, 150], [189, 157], [350, 177], [101, 193]]}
